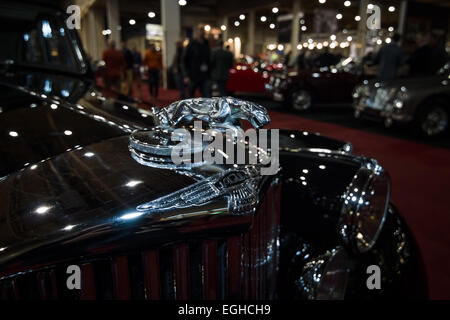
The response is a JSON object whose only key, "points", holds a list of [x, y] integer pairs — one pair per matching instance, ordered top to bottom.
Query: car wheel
{"points": [[301, 100], [433, 119]]}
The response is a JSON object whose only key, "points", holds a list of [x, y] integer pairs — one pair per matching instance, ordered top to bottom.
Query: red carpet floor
{"points": [[420, 177]]}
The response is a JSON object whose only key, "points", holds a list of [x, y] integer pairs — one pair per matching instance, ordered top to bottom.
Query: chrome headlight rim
{"points": [[356, 197], [325, 276]]}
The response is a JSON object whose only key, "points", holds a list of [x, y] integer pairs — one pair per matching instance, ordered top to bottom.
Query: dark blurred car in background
{"points": [[302, 89], [422, 102]]}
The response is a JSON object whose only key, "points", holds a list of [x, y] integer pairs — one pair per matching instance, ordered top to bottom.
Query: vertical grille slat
{"points": [[181, 263], [246, 265], [234, 266], [210, 269], [196, 270], [151, 275], [121, 278], [167, 281], [42, 286], [222, 287], [15, 288], [88, 290]]}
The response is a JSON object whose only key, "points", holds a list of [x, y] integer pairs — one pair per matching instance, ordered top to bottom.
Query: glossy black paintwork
{"points": [[83, 180], [313, 184], [63, 197], [395, 253]]}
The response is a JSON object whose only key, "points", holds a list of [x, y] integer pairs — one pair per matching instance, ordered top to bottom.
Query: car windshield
{"points": [[38, 37]]}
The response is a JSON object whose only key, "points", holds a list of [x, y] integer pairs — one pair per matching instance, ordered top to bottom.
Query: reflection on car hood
{"points": [[85, 188]]}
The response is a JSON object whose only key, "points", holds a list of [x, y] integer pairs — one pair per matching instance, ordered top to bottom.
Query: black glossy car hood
{"points": [[85, 188]]}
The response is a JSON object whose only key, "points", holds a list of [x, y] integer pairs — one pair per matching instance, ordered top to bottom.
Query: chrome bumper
{"points": [[388, 115]]}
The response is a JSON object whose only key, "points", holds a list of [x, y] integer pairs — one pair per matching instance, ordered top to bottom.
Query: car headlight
{"points": [[364, 209], [325, 277]]}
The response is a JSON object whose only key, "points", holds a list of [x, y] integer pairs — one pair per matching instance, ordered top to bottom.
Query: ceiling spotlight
{"points": [[322, 1], [182, 2], [347, 3], [370, 6], [391, 9], [275, 10], [151, 14], [339, 16], [242, 17], [263, 18], [357, 18], [132, 21], [302, 21], [236, 23], [272, 26], [223, 27], [207, 28], [304, 28], [391, 29], [333, 37], [349, 38], [388, 40], [379, 41], [299, 46], [319, 46], [280, 47]]}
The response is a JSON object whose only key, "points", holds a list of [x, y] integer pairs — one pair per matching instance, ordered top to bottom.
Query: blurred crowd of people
{"points": [[427, 58], [122, 67], [195, 67]]}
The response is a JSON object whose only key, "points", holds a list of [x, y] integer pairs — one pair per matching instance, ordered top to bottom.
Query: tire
{"points": [[300, 99], [432, 118]]}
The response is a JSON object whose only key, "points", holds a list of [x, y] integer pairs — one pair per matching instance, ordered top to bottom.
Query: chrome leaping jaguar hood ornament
{"points": [[220, 113]]}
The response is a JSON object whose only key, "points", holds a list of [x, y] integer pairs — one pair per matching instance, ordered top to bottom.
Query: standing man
{"points": [[389, 59], [137, 62], [153, 62], [221, 63], [420, 63], [196, 65], [115, 66], [129, 69], [177, 69]]}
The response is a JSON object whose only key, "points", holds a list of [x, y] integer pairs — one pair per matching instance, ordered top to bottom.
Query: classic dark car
{"points": [[304, 88], [423, 102], [86, 182]]}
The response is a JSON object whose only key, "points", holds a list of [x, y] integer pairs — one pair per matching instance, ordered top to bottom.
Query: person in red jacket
{"points": [[154, 64], [115, 66]]}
